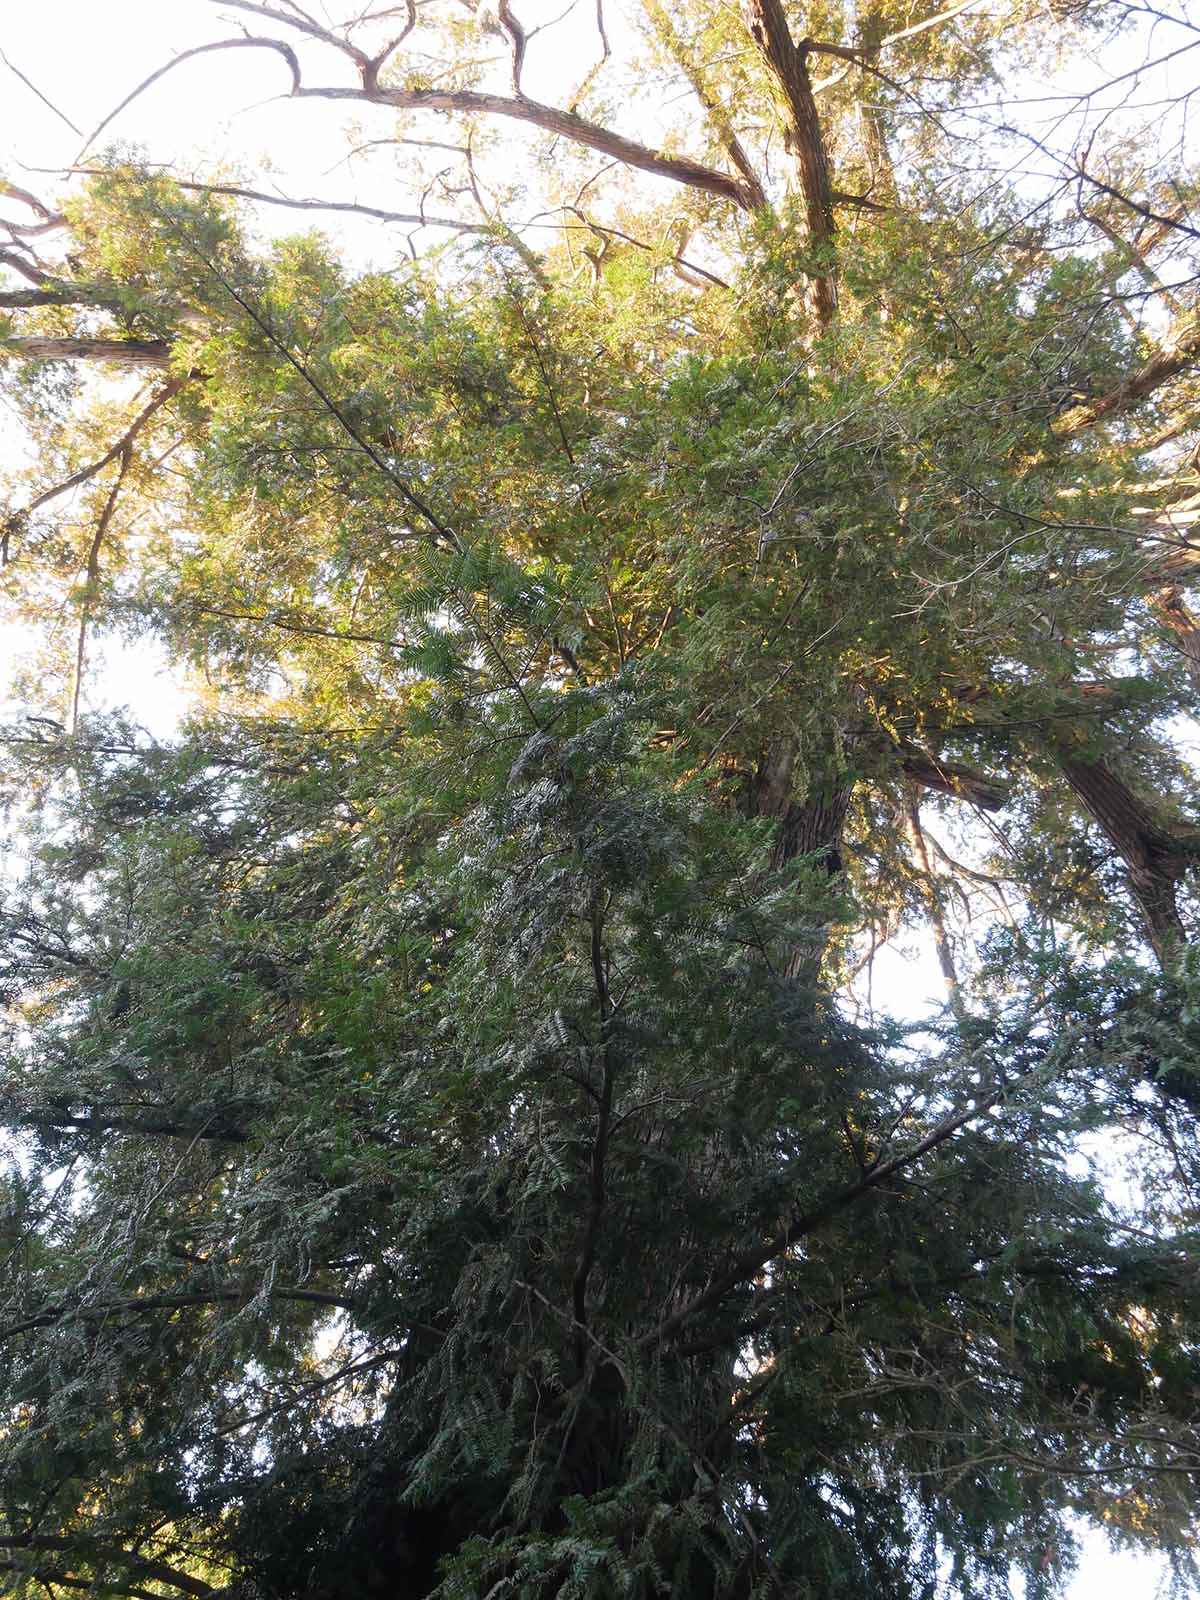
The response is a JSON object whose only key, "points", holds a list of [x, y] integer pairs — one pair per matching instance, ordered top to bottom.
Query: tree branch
{"points": [[280, 48], [563, 124], [259, 197], [118, 352], [1181, 354], [18, 519], [751, 1262], [145, 1304], [144, 1565]]}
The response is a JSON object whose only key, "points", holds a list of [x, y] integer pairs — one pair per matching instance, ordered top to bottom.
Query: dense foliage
{"points": [[452, 1149]]}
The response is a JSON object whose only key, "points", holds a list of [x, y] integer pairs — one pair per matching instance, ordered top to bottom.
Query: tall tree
{"points": [[451, 1155]]}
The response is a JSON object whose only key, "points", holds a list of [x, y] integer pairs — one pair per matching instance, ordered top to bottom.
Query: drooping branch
{"points": [[277, 45]]}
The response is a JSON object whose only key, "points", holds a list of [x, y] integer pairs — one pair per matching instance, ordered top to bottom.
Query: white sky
{"points": [[85, 55]]}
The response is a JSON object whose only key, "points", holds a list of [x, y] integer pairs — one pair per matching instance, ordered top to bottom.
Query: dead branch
{"points": [[280, 48]]}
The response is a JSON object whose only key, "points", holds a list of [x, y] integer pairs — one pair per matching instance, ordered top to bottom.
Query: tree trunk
{"points": [[788, 63], [117, 352], [1171, 608], [811, 827], [1155, 855]]}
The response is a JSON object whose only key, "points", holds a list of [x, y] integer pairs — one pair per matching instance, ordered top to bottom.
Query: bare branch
{"points": [[304, 24], [516, 33], [280, 48], [377, 62], [33, 88], [551, 119], [27, 199], [408, 218], [1167, 222]]}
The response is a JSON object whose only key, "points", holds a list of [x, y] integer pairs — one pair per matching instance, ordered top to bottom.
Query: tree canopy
{"points": [[737, 520]]}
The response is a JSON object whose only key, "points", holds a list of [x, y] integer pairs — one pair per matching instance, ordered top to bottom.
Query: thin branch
{"points": [[303, 24], [280, 48], [33, 89], [409, 218], [1166, 222], [17, 520], [91, 583], [751, 1262], [144, 1304]]}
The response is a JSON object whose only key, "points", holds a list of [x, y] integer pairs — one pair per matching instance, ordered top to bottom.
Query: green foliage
{"points": [[450, 1153]]}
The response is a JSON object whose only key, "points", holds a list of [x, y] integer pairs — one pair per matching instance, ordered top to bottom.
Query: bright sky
{"points": [[86, 55]]}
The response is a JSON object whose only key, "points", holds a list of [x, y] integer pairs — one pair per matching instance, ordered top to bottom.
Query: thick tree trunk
{"points": [[788, 63], [117, 352], [1171, 608], [811, 827], [1155, 854]]}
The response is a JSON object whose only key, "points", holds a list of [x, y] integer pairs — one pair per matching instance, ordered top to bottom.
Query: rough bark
{"points": [[788, 64], [116, 352], [1180, 354], [1172, 610], [952, 778], [810, 827], [1156, 854]]}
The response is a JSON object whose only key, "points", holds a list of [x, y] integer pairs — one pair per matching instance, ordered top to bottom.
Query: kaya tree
{"points": [[448, 1155]]}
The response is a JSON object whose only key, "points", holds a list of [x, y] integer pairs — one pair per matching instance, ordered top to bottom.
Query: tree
{"points": [[451, 1160]]}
